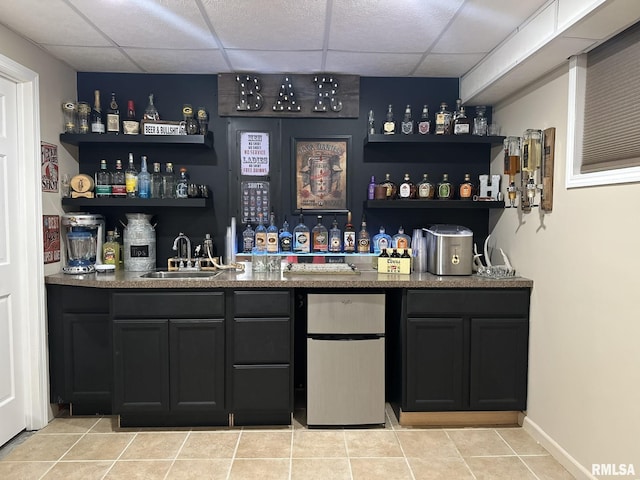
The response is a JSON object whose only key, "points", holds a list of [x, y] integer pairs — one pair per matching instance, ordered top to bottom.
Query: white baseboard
{"points": [[556, 451]]}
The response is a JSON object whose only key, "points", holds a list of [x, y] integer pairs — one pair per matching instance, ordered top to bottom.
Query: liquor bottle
{"points": [[151, 112], [456, 113], [113, 116], [443, 120], [480, 122], [97, 124], [190, 124], [462, 124], [130, 125], [389, 126], [424, 126], [406, 127], [371, 128], [131, 178], [144, 179], [103, 181], [156, 181], [168, 182], [118, 183], [182, 184], [392, 188], [407, 188], [426, 189], [444, 189], [466, 189], [371, 190], [272, 234], [261, 235], [320, 236], [349, 236], [335, 237], [285, 238], [248, 239], [401, 239], [301, 240], [364, 240], [381, 241], [111, 251]]}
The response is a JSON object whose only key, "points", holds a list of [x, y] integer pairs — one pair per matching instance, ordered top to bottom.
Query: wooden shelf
{"points": [[377, 138], [204, 141], [135, 202], [439, 204]]}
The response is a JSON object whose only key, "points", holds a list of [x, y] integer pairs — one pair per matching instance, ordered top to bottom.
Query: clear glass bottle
{"points": [[151, 112], [456, 113], [113, 116], [203, 120], [443, 120], [480, 121], [97, 123], [190, 124], [462, 124], [424, 125], [389, 126], [406, 127], [371, 128], [131, 178], [144, 179], [103, 181], [156, 181], [168, 182], [118, 183], [182, 184], [392, 188], [407, 188], [426, 189], [444, 189], [466, 189], [272, 234], [261, 235], [320, 236], [349, 236], [301, 237], [335, 237], [285, 238], [248, 239], [401, 239], [364, 240], [381, 241]]}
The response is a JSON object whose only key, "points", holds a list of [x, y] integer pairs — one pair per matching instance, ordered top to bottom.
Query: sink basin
{"points": [[176, 274]]}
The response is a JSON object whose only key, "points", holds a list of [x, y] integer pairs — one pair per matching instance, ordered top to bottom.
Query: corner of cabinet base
{"points": [[460, 419]]}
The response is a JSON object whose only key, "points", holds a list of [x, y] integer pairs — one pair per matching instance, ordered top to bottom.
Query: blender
{"points": [[83, 236]]}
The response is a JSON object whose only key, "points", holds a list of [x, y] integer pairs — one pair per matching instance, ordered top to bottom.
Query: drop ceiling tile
{"points": [[50, 22], [175, 24], [273, 25], [481, 25], [410, 26], [94, 59], [178, 61], [275, 62], [372, 64], [447, 65]]}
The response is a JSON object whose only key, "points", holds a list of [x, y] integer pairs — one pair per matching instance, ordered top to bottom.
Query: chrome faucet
{"points": [[176, 243]]}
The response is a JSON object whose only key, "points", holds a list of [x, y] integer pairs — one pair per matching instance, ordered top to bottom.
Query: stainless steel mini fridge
{"points": [[345, 359]]}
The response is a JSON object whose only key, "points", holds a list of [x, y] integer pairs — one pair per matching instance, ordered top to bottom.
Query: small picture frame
{"points": [[321, 170]]}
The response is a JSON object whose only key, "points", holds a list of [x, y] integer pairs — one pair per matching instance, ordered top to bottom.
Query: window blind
{"points": [[611, 137]]}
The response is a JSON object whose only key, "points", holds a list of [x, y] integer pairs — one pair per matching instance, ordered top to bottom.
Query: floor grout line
{"points": [[235, 451], [177, 454], [119, 456]]}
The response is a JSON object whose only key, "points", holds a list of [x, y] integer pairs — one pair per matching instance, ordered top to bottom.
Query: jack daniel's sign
{"points": [[299, 96]]}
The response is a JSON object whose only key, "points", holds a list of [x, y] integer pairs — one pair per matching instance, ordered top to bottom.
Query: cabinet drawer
{"points": [[468, 301], [260, 303], [168, 304], [262, 340], [261, 387]]}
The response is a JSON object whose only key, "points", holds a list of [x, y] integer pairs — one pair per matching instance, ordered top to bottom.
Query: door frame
{"points": [[30, 247]]}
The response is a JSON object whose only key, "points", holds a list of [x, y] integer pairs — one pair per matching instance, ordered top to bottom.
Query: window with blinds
{"points": [[611, 135]]}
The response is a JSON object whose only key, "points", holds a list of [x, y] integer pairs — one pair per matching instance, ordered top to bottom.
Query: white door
{"points": [[12, 398]]}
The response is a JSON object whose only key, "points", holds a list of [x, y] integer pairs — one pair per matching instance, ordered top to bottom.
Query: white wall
{"points": [[57, 82], [584, 360]]}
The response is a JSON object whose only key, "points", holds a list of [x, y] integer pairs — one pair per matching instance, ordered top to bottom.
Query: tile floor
{"points": [[95, 448]]}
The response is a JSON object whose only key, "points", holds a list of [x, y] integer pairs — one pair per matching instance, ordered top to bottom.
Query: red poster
{"points": [[51, 230]]}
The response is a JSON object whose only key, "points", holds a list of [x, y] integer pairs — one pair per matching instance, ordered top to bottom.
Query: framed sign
{"points": [[49, 166], [321, 173], [51, 232]]}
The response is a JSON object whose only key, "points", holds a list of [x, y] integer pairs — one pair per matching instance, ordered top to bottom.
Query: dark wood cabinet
{"points": [[261, 349], [465, 349]]}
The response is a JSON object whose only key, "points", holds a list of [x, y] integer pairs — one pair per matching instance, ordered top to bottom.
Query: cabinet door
{"points": [[261, 340], [88, 361], [498, 363], [197, 365], [141, 366], [436, 372], [262, 388]]}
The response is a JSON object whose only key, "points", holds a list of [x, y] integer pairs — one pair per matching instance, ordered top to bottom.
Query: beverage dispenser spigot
{"points": [[531, 162]]}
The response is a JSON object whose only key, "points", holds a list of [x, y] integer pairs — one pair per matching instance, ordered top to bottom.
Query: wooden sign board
{"points": [[288, 96]]}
